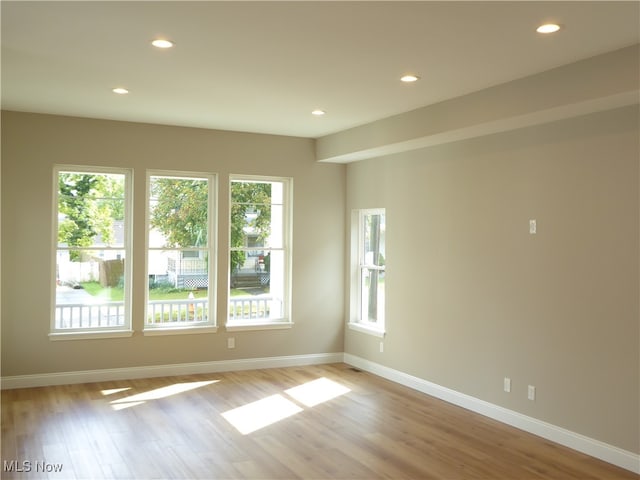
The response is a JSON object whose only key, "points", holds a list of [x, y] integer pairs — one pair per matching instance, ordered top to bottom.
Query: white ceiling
{"points": [[263, 66]]}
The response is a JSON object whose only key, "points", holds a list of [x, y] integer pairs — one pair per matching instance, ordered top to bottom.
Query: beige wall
{"points": [[32, 144], [472, 297]]}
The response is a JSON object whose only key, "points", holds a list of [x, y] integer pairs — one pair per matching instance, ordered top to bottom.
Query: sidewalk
{"points": [[66, 295]]}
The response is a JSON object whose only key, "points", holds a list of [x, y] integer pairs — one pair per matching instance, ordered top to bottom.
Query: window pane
{"points": [[91, 208], [178, 212], [257, 217], [257, 227], [276, 234], [91, 239], [374, 239], [178, 255], [257, 255], [276, 261], [178, 269], [251, 271], [372, 272], [257, 287], [90, 288], [181, 295], [372, 301]]}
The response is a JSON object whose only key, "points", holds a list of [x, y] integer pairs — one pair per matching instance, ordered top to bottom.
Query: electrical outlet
{"points": [[533, 227], [231, 342], [381, 347], [507, 384], [531, 392]]}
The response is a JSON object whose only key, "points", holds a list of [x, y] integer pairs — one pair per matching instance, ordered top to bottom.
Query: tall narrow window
{"points": [[92, 243], [260, 249], [368, 286], [180, 293]]}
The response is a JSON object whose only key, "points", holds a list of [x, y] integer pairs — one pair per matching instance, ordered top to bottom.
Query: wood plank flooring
{"points": [[352, 425]]}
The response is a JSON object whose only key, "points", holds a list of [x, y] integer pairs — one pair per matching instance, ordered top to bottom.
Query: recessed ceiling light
{"points": [[548, 28], [162, 43], [409, 78], [120, 91], [318, 112]]}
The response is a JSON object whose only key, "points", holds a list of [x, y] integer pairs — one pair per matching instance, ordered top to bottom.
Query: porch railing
{"points": [[248, 307], [177, 311], [111, 314], [82, 315]]}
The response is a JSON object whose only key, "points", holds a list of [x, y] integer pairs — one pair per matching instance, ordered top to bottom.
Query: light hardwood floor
{"points": [[361, 427]]}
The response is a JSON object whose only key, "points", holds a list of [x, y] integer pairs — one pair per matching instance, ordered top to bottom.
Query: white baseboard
{"points": [[89, 376], [595, 448]]}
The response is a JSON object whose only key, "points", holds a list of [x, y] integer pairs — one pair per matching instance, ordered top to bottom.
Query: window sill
{"points": [[237, 327], [368, 329], [179, 330], [76, 335]]}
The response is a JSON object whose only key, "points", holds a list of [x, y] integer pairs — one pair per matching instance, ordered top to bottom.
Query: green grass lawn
{"points": [[109, 293], [117, 293]]}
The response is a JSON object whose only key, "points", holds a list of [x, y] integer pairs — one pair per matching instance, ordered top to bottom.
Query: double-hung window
{"points": [[93, 245], [260, 252], [180, 253], [368, 273]]}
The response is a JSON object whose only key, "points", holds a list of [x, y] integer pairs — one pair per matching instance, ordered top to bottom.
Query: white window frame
{"points": [[287, 212], [358, 264], [210, 326], [105, 331]]}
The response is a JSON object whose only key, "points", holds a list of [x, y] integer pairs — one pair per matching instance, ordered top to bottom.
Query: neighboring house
{"points": [[182, 269], [186, 270], [255, 271], [70, 272]]}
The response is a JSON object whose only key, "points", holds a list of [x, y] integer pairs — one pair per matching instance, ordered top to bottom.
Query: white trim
{"points": [[127, 246], [211, 248], [286, 248], [358, 263], [238, 327], [365, 328], [194, 329], [88, 335], [90, 376], [595, 448]]}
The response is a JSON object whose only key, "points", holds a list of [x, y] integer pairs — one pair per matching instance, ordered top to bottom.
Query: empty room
{"points": [[200, 202]]}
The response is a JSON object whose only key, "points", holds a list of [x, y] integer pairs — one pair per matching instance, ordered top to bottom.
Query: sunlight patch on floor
{"points": [[111, 391], [317, 391], [158, 393], [122, 406], [262, 413], [256, 415]]}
